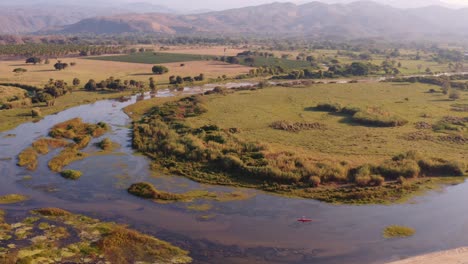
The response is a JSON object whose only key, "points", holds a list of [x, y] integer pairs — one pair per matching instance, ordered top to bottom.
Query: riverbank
{"points": [[13, 117], [226, 137], [455, 256]]}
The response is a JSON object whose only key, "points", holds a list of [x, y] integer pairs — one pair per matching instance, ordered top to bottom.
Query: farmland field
{"points": [[153, 58], [273, 62], [99, 70]]}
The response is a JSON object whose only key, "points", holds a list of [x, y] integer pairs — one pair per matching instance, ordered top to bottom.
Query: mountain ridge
{"points": [[314, 19]]}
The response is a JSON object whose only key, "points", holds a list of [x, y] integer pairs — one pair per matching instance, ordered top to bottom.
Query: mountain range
{"points": [[315, 19], [363, 19]]}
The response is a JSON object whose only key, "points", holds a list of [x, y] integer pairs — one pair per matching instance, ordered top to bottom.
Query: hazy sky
{"points": [[224, 4]]}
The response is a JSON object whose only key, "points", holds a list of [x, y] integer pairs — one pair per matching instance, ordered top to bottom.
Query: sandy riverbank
{"points": [[455, 256]]}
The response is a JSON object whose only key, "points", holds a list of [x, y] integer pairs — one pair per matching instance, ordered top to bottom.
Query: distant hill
{"points": [[18, 16], [353, 20]]}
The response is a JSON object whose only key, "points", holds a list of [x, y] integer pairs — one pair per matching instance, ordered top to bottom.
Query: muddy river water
{"points": [[261, 229]]}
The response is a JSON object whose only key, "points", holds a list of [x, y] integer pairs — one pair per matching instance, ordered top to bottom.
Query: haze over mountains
{"points": [[315, 19]]}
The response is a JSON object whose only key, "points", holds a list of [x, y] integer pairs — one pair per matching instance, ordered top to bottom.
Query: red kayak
{"points": [[305, 220]]}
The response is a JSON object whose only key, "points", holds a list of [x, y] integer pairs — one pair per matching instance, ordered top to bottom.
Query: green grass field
{"points": [[154, 58], [286, 64], [254, 111]]}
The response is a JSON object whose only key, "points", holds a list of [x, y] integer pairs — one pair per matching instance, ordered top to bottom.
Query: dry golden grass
{"points": [[99, 70], [9, 92]]}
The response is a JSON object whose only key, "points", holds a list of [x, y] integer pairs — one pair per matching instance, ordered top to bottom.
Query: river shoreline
{"points": [[454, 256]]}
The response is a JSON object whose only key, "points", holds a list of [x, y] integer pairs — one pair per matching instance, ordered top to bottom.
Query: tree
{"points": [[310, 58], [33, 60], [232, 60], [249, 60], [60, 66], [159, 69], [358, 69], [428, 70], [200, 77], [179, 80], [76, 82], [152, 84], [90, 85], [446, 86], [454, 95]]}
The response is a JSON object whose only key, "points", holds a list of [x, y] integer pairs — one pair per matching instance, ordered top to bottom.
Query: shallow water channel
{"points": [[261, 229]]}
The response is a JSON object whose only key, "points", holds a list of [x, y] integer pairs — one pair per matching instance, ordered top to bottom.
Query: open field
{"points": [[205, 50], [153, 57], [287, 64], [99, 70], [254, 111], [377, 148]]}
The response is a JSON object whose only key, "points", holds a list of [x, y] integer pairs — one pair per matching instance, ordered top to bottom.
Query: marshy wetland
{"points": [[234, 224]]}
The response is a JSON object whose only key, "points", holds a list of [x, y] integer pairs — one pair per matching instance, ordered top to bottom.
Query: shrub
{"points": [[159, 69], [454, 94], [329, 107], [350, 110], [36, 112], [378, 119], [295, 127], [105, 144], [28, 159], [441, 167], [395, 168], [71, 174], [363, 180], [377, 180], [401, 180], [315, 181], [148, 191], [52, 212], [395, 231]]}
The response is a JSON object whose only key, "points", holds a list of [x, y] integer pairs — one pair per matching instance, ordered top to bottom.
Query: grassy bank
{"points": [[14, 117], [228, 138]]}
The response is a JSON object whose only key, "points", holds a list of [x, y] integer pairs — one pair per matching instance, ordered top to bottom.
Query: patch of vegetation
{"points": [[153, 58], [372, 116], [377, 117], [296, 126], [76, 130], [106, 144], [43, 145], [210, 154], [64, 158], [28, 159], [71, 174], [148, 191], [13, 198], [395, 231], [45, 238]]}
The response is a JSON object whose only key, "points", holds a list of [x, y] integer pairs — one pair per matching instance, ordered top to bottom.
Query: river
{"points": [[262, 229]]}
